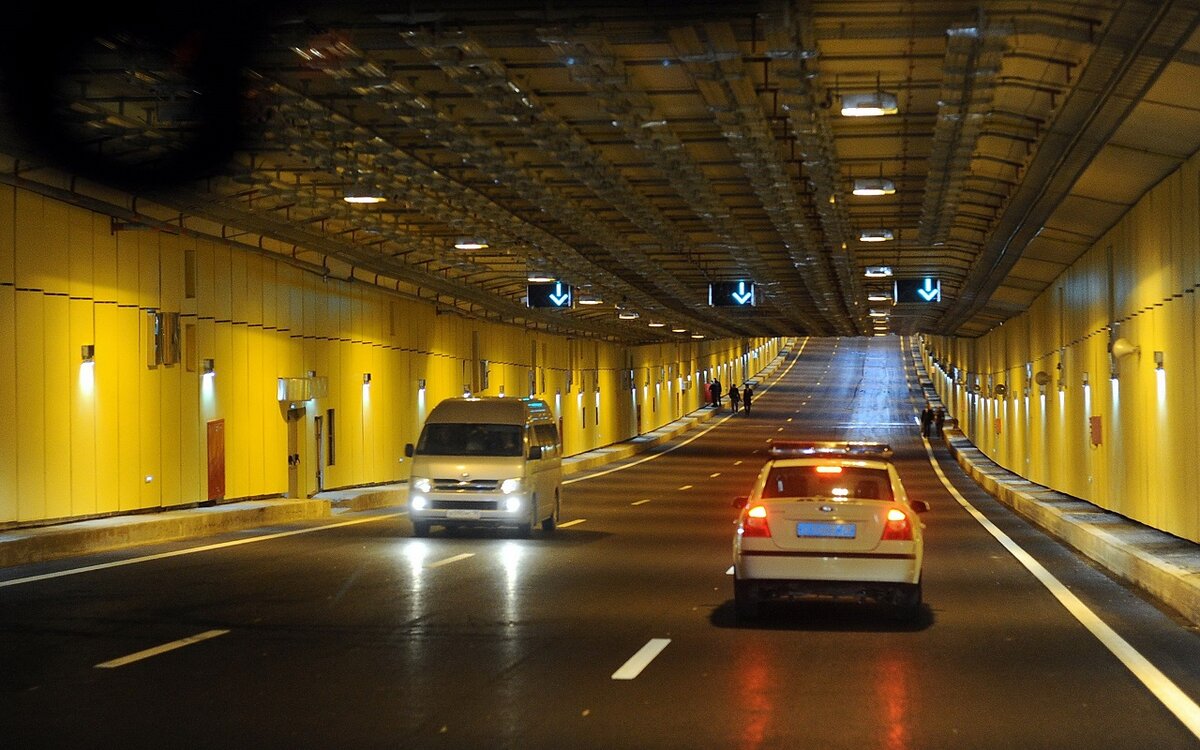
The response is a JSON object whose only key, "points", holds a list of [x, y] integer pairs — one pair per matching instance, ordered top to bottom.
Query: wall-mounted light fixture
{"points": [[1122, 348], [88, 352], [1158, 360], [208, 366], [310, 374], [366, 378], [1085, 380], [421, 384], [466, 390], [501, 391]]}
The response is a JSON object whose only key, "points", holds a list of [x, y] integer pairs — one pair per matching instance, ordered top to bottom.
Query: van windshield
{"points": [[471, 440]]}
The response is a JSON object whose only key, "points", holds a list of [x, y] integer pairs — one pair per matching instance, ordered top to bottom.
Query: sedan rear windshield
{"points": [[471, 440], [850, 482]]}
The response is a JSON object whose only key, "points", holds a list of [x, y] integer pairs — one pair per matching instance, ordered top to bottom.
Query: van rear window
{"points": [[471, 440]]}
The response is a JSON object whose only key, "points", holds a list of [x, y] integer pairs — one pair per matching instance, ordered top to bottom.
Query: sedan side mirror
{"points": [[408, 449], [535, 452], [741, 501], [920, 506]]}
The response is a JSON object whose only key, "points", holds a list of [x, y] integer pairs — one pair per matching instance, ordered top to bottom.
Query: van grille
{"points": [[465, 485], [465, 505]]}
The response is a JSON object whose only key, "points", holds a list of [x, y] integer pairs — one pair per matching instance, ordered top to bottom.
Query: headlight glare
{"points": [[421, 484], [509, 486]]}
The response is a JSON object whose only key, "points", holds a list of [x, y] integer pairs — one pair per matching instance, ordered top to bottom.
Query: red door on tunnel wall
{"points": [[216, 459]]}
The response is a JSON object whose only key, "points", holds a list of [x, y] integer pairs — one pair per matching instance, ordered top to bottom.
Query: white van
{"points": [[486, 462]]}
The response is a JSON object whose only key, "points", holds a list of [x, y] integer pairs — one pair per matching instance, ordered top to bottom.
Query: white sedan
{"points": [[828, 519]]}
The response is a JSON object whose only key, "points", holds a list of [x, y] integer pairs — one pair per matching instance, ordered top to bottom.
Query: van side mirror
{"points": [[408, 450], [535, 452], [741, 501], [919, 506]]}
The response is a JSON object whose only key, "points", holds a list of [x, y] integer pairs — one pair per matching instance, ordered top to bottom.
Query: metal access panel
{"points": [[738, 293], [551, 294]]}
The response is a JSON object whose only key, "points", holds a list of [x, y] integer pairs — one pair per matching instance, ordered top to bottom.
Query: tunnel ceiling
{"points": [[637, 151]]}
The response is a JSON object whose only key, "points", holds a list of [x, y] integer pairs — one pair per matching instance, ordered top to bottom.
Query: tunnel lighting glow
{"points": [[870, 104], [873, 186], [876, 235], [878, 313], [87, 378]]}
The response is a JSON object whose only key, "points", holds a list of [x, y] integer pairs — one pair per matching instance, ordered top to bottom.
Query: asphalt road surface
{"points": [[616, 631]]}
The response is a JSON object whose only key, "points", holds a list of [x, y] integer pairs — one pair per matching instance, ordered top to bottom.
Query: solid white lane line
{"points": [[697, 436], [714, 475], [685, 487], [641, 502], [568, 524], [193, 550], [449, 560], [161, 649], [641, 659], [1161, 686]]}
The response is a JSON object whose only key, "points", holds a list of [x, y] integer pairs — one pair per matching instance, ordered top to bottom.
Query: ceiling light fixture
{"points": [[872, 104], [873, 186], [365, 194], [876, 235], [470, 243], [879, 272], [540, 278], [878, 298], [588, 299], [628, 315], [655, 324], [678, 330]]}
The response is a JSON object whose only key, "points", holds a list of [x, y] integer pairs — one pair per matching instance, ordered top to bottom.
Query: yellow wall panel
{"points": [[8, 237], [80, 242], [104, 261], [170, 275], [109, 351], [131, 361], [58, 384], [30, 407], [9, 432], [169, 477]]}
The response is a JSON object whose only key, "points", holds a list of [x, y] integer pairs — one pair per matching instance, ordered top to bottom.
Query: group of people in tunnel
{"points": [[737, 399], [932, 419]]}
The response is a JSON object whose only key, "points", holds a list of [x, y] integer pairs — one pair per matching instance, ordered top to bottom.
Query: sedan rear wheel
{"points": [[745, 600], [907, 602]]}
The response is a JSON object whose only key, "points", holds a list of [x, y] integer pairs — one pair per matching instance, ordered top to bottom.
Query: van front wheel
{"points": [[551, 523]]}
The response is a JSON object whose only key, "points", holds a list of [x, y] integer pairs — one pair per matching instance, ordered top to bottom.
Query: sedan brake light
{"points": [[756, 522], [897, 528]]}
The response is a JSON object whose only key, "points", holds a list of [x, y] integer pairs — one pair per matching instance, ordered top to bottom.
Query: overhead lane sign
{"points": [[921, 291], [738, 293], [554, 294]]}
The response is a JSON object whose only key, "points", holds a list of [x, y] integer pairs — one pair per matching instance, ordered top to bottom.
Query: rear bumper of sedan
{"points": [[808, 569]]}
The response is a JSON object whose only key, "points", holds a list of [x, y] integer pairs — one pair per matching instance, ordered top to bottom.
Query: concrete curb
{"points": [[641, 444], [365, 498], [41, 543], [1160, 564]]}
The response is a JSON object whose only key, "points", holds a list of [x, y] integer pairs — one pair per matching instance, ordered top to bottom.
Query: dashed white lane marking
{"points": [[779, 430], [697, 436], [737, 463], [714, 475], [685, 487], [640, 502], [569, 524], [193, 550], [449, 560], [730, 571], [160, 649], [639, 661], [1159, 685]]}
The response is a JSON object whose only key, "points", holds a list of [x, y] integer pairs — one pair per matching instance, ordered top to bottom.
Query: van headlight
{"points": [[421, 484], [509, 486], [419, 502], [513, 504]]}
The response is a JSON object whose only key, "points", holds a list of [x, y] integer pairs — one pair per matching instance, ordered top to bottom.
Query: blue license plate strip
{"points": [[826, 530]]}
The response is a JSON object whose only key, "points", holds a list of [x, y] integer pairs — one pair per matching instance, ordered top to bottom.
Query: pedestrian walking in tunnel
{"points": [[716, 393], [747, 394], [735, 399], [939, 419], [926, 420]]}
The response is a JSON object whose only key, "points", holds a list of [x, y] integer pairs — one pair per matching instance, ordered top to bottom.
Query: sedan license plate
{"points": [[463, 515], [825, 530]]}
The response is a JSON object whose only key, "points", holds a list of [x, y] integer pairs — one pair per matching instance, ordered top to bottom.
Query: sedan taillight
{"points": [[755, 523], [897, 528]]}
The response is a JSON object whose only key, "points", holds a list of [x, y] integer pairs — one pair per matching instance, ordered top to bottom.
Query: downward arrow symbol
{"points": [[929, 293], [741, 296], [558, 298]]}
